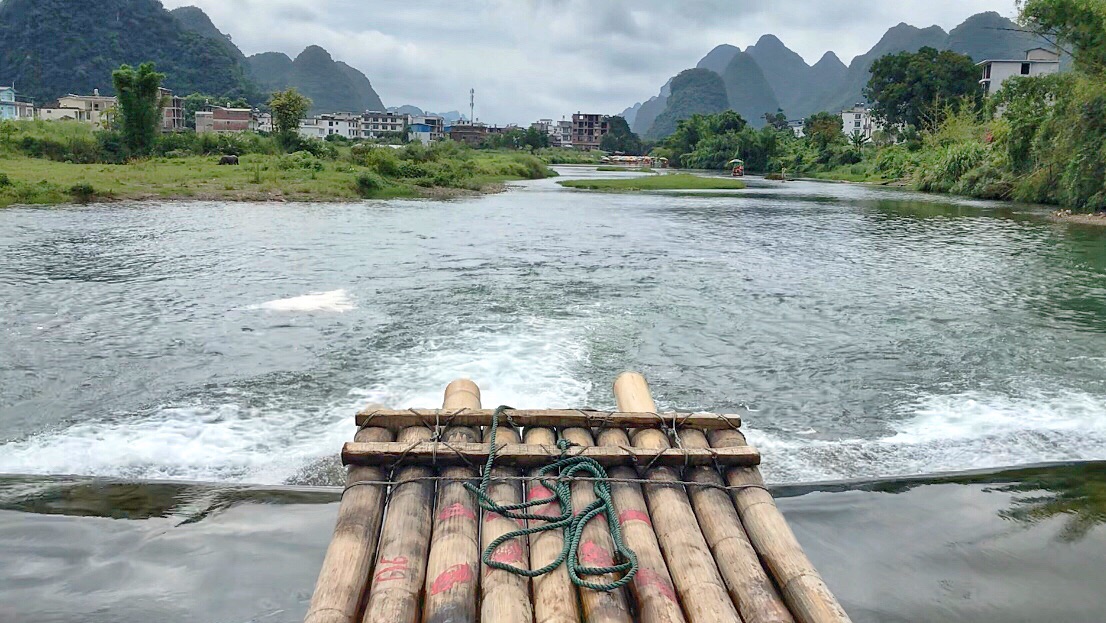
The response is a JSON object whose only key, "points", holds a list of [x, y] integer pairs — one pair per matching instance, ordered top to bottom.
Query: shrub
{"points": [[382, 159], [300, 160], [5, 181], [369, 183], [83, 192]]}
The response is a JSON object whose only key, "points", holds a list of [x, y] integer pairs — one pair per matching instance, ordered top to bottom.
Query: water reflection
{"points": [[191, 503]]}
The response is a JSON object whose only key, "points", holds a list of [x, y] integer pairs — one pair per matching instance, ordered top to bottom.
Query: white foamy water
{"points": [[335, 301], [525, 364], [948, 433]]}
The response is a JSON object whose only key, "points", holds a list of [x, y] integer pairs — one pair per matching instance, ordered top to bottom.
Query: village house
{"points": [[1037, 62], [15, 107], [94, 109], [172, 119], [224, 120], [859, 120], [375, 124], [346, 125], [426, 129], [588, 130], [559, 132], [469, 133]]}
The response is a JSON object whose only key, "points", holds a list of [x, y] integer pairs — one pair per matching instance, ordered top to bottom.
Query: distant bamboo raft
{"points": [[710, 542]]}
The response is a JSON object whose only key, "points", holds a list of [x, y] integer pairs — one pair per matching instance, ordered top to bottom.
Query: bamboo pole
{"points": [[560, 418], [522, 455], [596, 549], [453, 565], [694, 570], [344, 576], [802, 587], [396, 588], [652, 588], [751, 589], [554, 595], [506, 596]]}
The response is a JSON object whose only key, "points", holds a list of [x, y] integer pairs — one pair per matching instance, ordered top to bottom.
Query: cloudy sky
{"points": [[529, 59]]}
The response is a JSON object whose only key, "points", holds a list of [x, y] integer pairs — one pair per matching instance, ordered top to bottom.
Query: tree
{"points": [[1079, 23], [919, 89], [140, 105], [289, 108], [778, 120], [823, 130], [620, 138], [535, 139], [858, 140]]}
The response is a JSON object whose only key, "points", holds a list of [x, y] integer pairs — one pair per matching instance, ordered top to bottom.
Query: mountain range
{"points": [[49, 48], [769, 76]]}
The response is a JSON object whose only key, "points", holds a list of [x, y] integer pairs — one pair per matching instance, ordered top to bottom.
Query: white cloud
{"points": [[547, 58]]}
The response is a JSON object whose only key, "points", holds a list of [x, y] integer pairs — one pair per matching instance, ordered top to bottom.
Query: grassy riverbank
{"points": [[62, 162], [675, 181]]}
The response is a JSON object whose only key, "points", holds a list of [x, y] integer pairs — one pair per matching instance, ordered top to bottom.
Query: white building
{"points": [[1037, 62], [95, 109], [859, 120], [375, 123], [347, 125], [797, 127], [426, 128]]}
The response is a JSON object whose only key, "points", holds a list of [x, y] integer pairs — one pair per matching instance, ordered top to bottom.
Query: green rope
{"points": [[571, 523]]}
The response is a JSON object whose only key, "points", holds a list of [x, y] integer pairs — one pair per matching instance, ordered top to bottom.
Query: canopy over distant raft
{"points": [[631, 515]]}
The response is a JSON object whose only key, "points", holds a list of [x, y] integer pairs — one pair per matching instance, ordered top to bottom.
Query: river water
{"points": [[862, 332]]}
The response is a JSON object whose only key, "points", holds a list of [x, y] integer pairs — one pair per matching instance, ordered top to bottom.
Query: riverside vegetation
{"points": [[1039, 139], [58, 162]]}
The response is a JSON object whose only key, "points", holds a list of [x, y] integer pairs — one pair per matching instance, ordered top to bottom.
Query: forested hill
{"points": [[52, 47], [49, 48], [829, 85]]}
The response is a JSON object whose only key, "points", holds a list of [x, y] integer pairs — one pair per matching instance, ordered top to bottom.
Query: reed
{"points": [[454, 561], [698, 581]]}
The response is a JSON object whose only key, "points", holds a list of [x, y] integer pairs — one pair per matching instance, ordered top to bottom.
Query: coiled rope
{"points": [[570, 522]]}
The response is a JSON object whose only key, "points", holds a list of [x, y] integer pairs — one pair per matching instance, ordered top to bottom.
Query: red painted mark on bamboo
{"points": [[550, 509], [456, 510], [634, 515], [508, 553], [593, 555], [391, 569], [457, 574], [647, 578]]}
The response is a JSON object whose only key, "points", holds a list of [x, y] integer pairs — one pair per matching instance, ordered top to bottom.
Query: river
{"points": [[862, 332]]}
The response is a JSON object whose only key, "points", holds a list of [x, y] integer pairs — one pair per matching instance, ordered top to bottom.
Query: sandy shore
{"points": [[1065, 216]]}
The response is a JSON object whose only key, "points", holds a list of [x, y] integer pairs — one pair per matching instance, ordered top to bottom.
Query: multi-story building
{"points": [[1037, 62], [15, 107], [94, 109], [172, 112], [223, 120], [859, 120], [263, 121], [375, 124], [346, 125], [797, 127], [426, 128], [588, 130], [468, 132], [559, 132]]}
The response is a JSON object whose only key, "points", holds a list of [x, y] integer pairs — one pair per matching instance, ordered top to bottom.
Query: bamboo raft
{"points": [[711, 545]]}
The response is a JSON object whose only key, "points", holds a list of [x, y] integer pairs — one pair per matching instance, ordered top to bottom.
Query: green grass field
{"points": [[259, 177], [675, 181]]}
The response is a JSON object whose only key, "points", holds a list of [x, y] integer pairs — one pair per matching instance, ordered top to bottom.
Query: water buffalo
{"points": [[228, 160]]}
